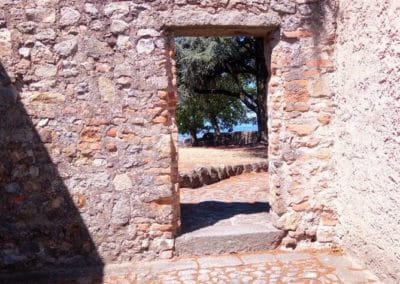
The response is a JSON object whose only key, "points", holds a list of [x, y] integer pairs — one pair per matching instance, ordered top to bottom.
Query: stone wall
{"points": [[300, 108], [367, 128], [87, 145], [89, 164], [208, 175]]}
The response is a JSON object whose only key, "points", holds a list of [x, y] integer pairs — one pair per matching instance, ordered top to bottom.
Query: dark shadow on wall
{"points": [[322, 22], [199, 215], [40, 227]]}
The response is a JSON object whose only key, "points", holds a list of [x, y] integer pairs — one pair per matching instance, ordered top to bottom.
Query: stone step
{"points": [[240, 233]]}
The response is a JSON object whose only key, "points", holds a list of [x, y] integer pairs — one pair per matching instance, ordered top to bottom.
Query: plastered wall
{"points": [[367, 133]]}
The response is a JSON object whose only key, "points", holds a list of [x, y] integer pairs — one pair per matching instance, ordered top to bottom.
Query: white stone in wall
{"points": [[91, 9], [117, 9], [69, 16], [118, 26], [148, 32], [46, 35], [123, 41], [5, 42], [145, 45], [66, 47], [24, 52], [46, 70], [106, 89], [122, 182]]}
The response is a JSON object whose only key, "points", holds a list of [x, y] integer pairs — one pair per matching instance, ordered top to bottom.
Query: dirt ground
{"points": [[193, 157]]}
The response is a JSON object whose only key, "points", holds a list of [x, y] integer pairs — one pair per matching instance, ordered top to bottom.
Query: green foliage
{"points": [[216, 77], [196, 113], [189, 118]]}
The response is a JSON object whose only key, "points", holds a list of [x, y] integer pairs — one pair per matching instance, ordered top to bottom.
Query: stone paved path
{"points": [[248, 187], [239, 199], [227, 217], [269, 267]]}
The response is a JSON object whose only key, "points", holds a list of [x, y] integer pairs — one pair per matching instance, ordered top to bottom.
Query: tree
{"points": [[231, 67], [195, 113]]}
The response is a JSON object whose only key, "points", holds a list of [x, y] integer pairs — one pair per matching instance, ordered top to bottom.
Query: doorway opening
{"points": [[221, 115]]}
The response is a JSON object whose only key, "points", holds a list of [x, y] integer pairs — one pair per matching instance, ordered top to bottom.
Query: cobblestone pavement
{"points": [[248, 187], [237, 200], [234, 201], [269, 267]]}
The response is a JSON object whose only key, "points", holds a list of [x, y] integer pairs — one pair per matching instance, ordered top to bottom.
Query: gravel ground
{"points": [[192, 157]]}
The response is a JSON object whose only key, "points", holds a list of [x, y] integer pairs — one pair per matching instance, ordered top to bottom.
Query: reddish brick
{"points": [[297, 33], [320, 63], [312, 73], [296, 91], [163, 95], [302, 107], [160, 119], [324, 119], [301, 129], [112, 132], [90, 135], [111, 147], [324, 154], [303, 206], [328, 219]]}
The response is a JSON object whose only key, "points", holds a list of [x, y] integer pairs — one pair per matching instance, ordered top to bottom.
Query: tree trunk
{"points": [[261, 92], [215, 125], [261, 127], [193, 134]]}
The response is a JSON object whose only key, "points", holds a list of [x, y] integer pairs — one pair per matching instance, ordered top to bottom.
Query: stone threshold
{"points": [[209, 175]]}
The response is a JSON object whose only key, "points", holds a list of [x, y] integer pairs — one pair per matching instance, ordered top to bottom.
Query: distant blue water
{"points": [[240, 127]]}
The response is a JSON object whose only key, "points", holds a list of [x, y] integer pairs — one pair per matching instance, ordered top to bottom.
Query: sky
{"points": [[240, 127]]}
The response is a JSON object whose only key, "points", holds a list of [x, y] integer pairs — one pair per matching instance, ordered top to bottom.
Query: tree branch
{"points": [[244, 97]]}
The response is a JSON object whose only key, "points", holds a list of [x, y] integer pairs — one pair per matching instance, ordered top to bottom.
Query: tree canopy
{"points": [[216, 74]]}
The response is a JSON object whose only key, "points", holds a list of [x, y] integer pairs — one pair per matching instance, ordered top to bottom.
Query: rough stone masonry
{"points": [[88, 160]]}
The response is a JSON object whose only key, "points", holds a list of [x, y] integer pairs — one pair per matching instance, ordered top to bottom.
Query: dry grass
{"points": [[190, 158]]}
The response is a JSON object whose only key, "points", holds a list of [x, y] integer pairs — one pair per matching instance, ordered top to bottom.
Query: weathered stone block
{"points": [[284, 6], [91, 9], [117, 9], [69, 16], [118, 26], [26, 27], [46, 35], [145, 45], [66, 47], [96, 49], [46, 70], [107, 89], [46, 97], [301, 129], [214, 175], [185, 180], [122, 182], [121, 211], [288, 221]]}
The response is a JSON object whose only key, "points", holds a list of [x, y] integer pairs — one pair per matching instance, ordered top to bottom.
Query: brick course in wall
{"points": [[88, 150]]}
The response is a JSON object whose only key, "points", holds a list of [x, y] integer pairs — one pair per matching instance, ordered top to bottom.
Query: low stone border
{"points": [[209, 175]]}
